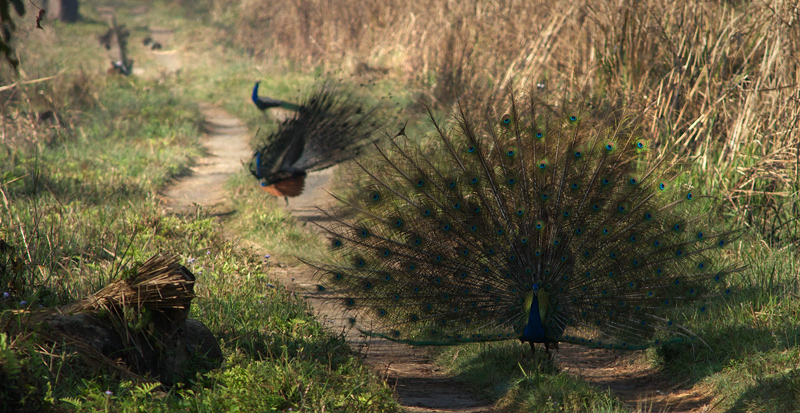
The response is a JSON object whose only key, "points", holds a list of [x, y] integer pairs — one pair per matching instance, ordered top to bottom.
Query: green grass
{"points": [[79, 205], [263, 219], [752, 340], [276, 355], [506, 372]]}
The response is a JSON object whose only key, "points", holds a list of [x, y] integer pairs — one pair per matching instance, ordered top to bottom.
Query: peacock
{"points": [[265, 103], [332, 125], [546, 224]]}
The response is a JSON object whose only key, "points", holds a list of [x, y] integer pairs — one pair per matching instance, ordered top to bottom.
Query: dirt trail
{"points": [[227, 142], [421, 386], [642, 388]]}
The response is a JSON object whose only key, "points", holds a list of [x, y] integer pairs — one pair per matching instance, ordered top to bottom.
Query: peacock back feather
{"points": [[544, 225]]}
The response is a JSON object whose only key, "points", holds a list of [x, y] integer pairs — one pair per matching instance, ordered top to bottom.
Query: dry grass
{"points": [[720, 80], [161, 283]]}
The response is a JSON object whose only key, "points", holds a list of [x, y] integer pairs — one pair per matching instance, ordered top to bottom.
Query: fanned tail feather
{"points": [[454, 242]]}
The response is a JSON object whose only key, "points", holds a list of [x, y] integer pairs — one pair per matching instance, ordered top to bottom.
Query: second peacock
{"points": [[332, 125], [541, 225]]}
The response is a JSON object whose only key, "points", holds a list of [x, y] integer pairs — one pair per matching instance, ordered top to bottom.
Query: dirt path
{"points": [[227, 143], [420, 386], [641, 387]]}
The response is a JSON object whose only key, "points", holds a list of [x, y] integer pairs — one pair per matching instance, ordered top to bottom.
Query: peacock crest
{"points": [[542, 224]]}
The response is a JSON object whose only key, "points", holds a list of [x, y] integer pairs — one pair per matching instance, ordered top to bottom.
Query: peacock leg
{"points": [[286, 198], [547, 349], [533, 350]]}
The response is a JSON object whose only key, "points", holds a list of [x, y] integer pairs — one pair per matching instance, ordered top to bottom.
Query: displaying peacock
{"points": [[332, 125], [541, 225]]}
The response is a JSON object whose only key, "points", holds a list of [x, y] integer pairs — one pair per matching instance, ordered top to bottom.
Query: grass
{"points": [[717, 80], [79, 204], [262, 219], [506, 372]]}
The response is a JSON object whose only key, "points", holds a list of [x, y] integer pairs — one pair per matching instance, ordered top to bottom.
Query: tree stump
{"points": [[137, 326]]}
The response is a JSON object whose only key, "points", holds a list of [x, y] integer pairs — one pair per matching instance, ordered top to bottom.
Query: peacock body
{"points": [[331, 126], [544, 226]]}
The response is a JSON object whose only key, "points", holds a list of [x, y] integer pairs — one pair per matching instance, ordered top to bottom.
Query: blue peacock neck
{"points": [[255, 93], [534, 330]]}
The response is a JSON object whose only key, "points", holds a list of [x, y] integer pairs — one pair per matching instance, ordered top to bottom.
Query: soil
{"points": [[226, 142], [420, 385]]}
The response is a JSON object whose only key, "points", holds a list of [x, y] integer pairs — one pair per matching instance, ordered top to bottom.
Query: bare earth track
{"points": [[227, 144], [421, 386]]}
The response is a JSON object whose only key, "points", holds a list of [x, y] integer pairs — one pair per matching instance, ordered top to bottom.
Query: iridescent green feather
{"points": [[446, 245]]}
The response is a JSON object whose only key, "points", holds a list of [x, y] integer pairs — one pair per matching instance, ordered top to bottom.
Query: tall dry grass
{"points": [[720, 80]]}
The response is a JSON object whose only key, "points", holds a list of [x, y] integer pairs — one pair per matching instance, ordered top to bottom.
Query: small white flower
{"points": [[109, 393]]}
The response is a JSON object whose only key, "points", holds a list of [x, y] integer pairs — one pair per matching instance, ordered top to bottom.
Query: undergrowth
{"points": [[79, 204]]}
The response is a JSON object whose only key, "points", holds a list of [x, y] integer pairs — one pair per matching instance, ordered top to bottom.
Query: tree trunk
{"points": [[64, 10]]}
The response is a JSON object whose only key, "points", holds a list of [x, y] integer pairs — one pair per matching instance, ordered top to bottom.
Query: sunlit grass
{"points": [[79, 204]]}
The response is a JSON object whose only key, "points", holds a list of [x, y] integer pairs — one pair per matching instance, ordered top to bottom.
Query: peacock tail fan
{"points": [[334, 123], [543, 225]]}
